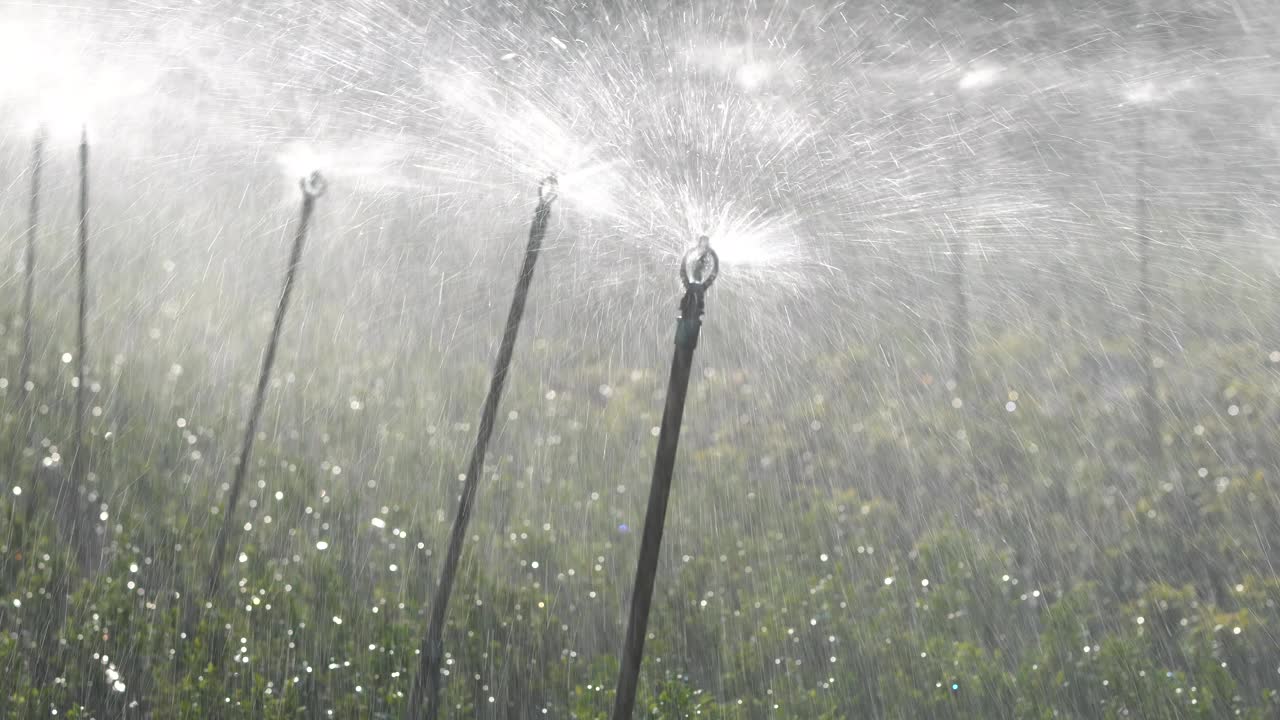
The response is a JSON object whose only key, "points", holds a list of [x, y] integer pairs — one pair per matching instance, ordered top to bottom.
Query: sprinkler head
{"points": [[313, 185], [548, 189], [700, 265]]}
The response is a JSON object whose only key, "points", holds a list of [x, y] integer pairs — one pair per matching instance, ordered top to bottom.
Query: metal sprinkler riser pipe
{"points": [[312, 187], [698, 270], [29, 288], [79, 457], [424, 694]]}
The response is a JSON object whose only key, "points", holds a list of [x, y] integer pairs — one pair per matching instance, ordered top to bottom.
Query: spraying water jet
{"points": [[698, 270], [425, 693]]}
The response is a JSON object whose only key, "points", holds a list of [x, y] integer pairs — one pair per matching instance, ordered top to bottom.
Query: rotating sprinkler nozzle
{"points": [[313, 185], [548, 189], [700, 265], [698, 269], [424, 695]]}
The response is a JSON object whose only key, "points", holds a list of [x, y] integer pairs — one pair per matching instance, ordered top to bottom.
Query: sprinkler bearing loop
{"points": [[313, 185], [548, 189], [700, 266]]}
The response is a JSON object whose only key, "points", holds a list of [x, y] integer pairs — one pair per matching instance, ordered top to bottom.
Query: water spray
{"points": [[312, 186], [698, 270], [427, 684]]}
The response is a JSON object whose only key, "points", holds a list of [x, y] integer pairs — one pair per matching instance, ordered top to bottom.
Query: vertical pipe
{"points": [[312, 188], [958, 250], [29, 267], [1146, 320], [961, 323], [688, 327], [962, 340], [79, 456], [19, 532], [428, 682]]}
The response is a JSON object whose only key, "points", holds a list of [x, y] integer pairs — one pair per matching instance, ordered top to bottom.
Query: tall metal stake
{"points": [[312, 188], [29, 267], [698, 271], [1146, 308], [961, 329], [79, 457], [19, 530], [427, 684]]}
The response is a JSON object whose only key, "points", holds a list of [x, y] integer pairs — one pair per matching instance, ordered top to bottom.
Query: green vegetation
{"points": [[856, 556]]}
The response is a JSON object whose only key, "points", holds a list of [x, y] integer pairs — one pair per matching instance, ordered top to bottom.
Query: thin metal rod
{"points": [[312, 188], [957, 245], [29, 267], [1146, 310], [688, 328], [962, 331], [79, 457], [20, 531], [427, 684]]}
